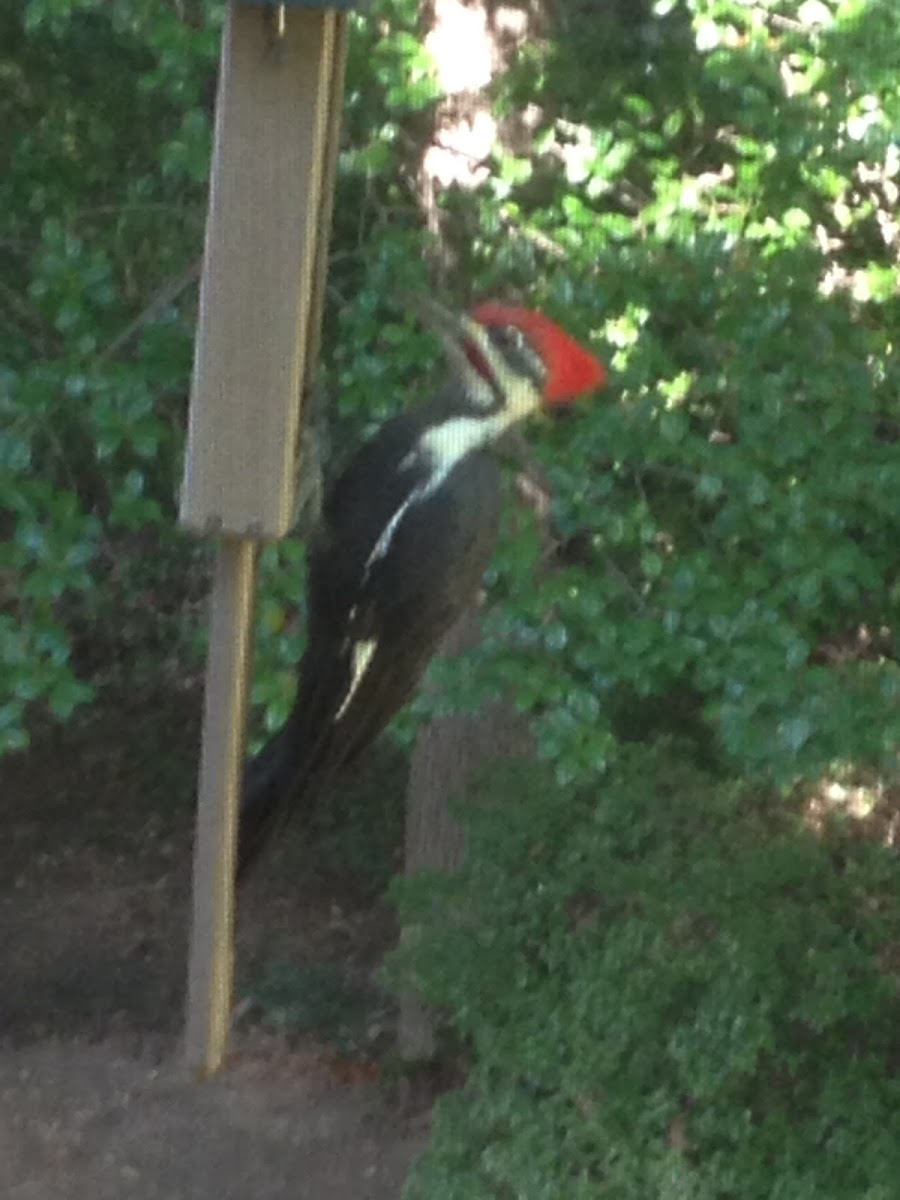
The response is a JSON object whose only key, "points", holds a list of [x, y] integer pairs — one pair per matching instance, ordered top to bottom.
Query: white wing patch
{"points": [[381, 546], [362, 656]]}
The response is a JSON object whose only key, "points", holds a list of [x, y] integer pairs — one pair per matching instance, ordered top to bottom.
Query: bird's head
{"points": [[532, 346], [512, 361]]}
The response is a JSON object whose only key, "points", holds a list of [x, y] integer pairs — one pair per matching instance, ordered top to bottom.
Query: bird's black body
{"points": [[406, 534], [397, 594]]}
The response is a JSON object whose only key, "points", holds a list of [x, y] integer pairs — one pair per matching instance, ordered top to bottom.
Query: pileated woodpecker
{"points": [[405, 536]]}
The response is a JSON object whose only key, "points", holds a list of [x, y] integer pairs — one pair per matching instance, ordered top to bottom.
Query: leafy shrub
{"points": [[102, 190], [728, 505], [671, 987]]}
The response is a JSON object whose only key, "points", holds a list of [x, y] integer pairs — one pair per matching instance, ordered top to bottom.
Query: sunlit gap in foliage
{"points": [[870, 804]]}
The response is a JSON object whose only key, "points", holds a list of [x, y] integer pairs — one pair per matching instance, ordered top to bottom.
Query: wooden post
{"points": [[277, 125], [263, 234], [221, 768]]}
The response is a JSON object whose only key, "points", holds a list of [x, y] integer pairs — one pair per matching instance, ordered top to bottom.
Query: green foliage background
{"points": [[710, 196]]}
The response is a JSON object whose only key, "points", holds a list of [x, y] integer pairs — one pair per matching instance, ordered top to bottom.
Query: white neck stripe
{"points": [[447, 444]]}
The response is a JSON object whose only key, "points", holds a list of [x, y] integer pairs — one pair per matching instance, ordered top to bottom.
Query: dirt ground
{"points": [[94, 892]]}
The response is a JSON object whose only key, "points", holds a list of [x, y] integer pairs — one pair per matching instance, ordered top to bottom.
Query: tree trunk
{"points": [[446, 753]]}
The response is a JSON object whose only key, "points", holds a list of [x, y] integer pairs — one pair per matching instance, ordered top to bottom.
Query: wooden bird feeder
{"points": [[276, 138]]}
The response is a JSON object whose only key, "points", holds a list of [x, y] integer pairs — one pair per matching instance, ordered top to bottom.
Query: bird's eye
{"points": [[511, 337], [516, 346]]}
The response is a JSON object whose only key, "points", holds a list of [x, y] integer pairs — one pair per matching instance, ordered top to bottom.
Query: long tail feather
{"points": [[290, 772], [284, 776], [263, 799]]}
